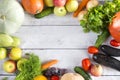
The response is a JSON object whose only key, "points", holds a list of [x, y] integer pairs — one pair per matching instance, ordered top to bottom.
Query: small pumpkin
{"points": [[33, 6], [11, 16]]}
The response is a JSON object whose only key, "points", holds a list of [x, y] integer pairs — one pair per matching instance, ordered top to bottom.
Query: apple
{"points": [[49, 3], [59, 3], [72, 5], [60, 11], [16, 41], [3, 53], [15, 53], [22, 60], [9, 66], [96, 70]]}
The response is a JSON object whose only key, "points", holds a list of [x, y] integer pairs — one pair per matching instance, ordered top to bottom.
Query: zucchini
{"points": [[44, 13], [108, 50], [107, 61], [83, 73]]}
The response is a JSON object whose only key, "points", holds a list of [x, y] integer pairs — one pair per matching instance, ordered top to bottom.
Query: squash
{"points": [[33, 6], [11, 16], [6, 40]]}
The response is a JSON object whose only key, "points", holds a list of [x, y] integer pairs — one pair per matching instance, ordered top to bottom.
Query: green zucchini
{"points": [[44, 13], [83, 73]]}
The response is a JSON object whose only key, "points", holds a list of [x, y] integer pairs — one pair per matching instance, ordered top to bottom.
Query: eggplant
{"points": [[108, 50], [107, 61]]}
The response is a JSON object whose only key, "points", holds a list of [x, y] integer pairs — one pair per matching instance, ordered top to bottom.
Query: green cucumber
{"points": [[44, 13], [101, 38], [83, 73]]}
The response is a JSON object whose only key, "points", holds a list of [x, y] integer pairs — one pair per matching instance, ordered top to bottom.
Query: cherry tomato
{"points": [[114, 27], [114, 43], [92, 50], [86, 63], [54, 77]]}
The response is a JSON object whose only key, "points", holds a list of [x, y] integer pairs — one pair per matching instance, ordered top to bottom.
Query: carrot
{"points": [[80, 7], [48, 64]]}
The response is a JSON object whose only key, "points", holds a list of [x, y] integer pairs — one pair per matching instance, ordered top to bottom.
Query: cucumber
{"points": [[44, 13], [101, 38], [110, 51], [107, 61], [83, 73]]}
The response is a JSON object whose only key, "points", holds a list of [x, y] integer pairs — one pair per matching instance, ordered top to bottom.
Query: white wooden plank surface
{"points": [[51, 20], [55, 37], [61, 38], [67, 59]]}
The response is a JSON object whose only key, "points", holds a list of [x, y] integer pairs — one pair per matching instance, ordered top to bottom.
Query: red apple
{"points": [[59, 3], [9, 66], [96, 70]]}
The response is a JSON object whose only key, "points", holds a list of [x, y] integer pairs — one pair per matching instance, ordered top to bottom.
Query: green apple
{"points": [[49, 3], [72, 5], [60, 11], [16, 41], [3, 53], [15, 53], [22, 60], [9, 66]]}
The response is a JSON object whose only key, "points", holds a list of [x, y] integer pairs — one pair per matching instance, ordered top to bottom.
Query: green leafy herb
{"points": [[98, 18], [30, 68]]}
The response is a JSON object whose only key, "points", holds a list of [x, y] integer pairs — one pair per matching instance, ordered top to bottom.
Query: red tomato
{"points": [[114, 27], [114, 43], [92, 50], [86, 63], [54, 78]]}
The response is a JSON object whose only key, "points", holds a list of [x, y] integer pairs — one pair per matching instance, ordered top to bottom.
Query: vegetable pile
{"points": [[97, 19], [103, 19]]}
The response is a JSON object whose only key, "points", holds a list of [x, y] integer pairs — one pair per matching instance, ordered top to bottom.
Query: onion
{"points": [[91, 4], [81, 15]]}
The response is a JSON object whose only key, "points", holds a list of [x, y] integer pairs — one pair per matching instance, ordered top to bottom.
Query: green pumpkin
{"points": [[11, 16]]}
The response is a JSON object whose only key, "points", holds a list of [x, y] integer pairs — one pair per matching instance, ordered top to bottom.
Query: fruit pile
{"points": [[42, 8], [14, 55], [54, 73]]}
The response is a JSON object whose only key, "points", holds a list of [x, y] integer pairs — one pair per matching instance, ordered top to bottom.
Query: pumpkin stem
{"points": [[2, 17]]}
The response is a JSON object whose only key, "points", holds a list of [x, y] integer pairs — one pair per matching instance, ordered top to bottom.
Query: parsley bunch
{"points": [[98, 18], [30, 68]]}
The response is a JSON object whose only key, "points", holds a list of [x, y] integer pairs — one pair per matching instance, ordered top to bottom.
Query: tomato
{"points": [[114, 27], [114, 43], [92, 50], [86, 63], [54, 78]]}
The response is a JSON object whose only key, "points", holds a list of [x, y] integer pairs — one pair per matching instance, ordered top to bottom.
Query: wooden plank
{"points": [[51, 20], [55, 37], [67, 59], [94, 78]]}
